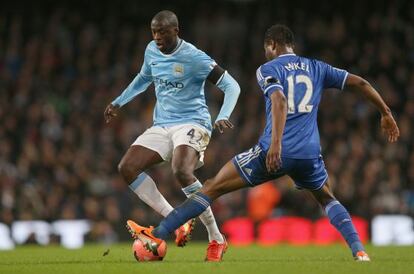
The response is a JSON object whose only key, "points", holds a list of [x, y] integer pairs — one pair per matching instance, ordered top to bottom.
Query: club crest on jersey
{"points": [[178, 70]]}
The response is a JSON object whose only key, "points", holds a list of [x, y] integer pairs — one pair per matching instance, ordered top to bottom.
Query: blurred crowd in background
{"points": [[62, 63]]}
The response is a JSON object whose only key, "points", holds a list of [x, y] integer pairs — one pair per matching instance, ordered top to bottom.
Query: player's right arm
{"points": [[269, 82], [137, 86], [279, 114], [388, 124]]}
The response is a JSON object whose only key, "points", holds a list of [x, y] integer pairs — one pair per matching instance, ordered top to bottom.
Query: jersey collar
{"points": [[177, 48], [286, 54]]}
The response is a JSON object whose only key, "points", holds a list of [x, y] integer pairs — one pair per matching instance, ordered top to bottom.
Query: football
{"points": [[143, 255]]}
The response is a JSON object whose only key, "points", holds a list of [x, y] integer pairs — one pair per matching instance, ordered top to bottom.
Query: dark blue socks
{"points": [[191, 208], [341, 220]]}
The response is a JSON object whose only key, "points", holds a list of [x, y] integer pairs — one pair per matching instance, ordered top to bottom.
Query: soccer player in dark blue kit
{"points": [[292, 86]]}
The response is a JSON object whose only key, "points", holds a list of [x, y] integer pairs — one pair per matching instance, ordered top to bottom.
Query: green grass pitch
{"points": [[252, 259]]}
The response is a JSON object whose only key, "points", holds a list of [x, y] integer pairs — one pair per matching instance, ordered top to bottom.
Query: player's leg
{"points": [[190, 142], [149, 149], [184, 162], [132, 168], [246, 169], [311, 174], [227, 180], [341, 220]]}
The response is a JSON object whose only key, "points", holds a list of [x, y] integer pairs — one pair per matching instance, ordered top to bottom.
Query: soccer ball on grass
{"points": [[143, 255]]}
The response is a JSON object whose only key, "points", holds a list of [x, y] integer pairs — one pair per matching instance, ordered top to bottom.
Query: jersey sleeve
{"points": [[204, 64], [145, 71], [334, 77], [268, 79], [140, 83]]}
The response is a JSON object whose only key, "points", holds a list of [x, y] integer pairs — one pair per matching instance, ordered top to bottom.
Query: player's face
{"points": [[164, 35], [270, 50]]}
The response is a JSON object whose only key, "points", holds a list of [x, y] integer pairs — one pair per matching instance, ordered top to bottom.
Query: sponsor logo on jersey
{"points": [[168, 84]]}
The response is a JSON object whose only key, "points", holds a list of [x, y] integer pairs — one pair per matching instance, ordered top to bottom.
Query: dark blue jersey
{"points": [[302, 81]]}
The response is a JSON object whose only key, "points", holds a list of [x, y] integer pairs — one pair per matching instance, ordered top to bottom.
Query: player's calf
{"points": [[341, 220]]}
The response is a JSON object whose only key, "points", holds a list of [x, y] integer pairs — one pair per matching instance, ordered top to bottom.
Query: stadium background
{"points": [[62, 63]]}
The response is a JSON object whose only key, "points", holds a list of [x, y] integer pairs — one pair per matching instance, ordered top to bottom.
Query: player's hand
{"points": [[110, 112], [222, 124], [389, 128], [273, 158]]}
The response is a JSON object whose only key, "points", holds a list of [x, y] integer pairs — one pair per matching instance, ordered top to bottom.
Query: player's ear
{"points": [[176, 30], [267, 43], [271, 43], [275, 45]]}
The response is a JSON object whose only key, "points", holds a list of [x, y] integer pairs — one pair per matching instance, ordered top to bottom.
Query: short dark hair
{"points": [[167, 16], [280, 34]]}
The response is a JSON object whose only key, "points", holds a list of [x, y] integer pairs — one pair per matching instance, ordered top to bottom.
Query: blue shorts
{"points": [[306, 173]]}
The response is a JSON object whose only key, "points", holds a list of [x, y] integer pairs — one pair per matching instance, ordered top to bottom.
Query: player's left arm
{"points": [[231, 89], [279, 114], [388, 124]]}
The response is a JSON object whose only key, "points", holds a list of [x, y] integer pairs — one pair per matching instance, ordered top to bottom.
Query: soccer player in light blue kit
{"points": [[292, 88], [182, 124]]}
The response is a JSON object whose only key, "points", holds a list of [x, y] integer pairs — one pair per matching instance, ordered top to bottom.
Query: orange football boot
{"points": [[183, 233], [144, 234], [215, 250], [362, 256]]}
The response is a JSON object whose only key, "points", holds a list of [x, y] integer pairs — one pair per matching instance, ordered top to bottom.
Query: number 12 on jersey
{"points": [[303, 106]]}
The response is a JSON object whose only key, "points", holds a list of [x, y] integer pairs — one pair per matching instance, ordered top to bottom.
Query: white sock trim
{"points": [[138, 181], [194, 187], [146, 189], [330, 205]]}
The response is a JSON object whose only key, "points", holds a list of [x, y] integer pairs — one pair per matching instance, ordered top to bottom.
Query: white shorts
{"points": [[164, 140]]}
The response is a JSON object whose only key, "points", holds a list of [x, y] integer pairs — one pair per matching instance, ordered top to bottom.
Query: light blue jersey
{"points": [[179, 80]]}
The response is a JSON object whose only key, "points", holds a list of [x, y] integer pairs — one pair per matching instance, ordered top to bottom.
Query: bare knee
{"points": [[128, 170]]}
